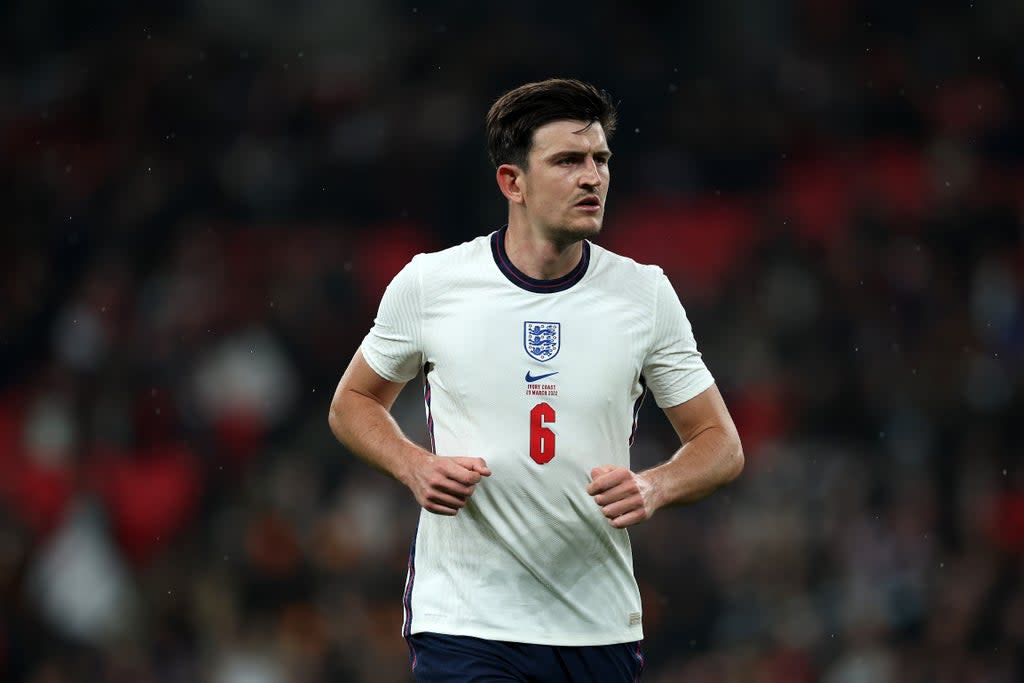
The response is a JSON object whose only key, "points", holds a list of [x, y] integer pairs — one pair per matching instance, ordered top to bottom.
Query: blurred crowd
{"points": [[203, 203]]}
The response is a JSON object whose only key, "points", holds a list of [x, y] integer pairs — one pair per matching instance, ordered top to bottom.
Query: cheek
{"points": [[555, 192]]}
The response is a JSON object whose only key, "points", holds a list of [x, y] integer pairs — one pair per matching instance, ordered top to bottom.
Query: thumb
{"points": [[477, 465], [598, 471]]}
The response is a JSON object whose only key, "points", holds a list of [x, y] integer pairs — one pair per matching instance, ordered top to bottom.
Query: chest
{"points": [[507, 344]]}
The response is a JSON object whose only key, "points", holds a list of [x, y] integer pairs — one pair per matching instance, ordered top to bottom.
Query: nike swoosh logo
{"points": [[537, 378]]}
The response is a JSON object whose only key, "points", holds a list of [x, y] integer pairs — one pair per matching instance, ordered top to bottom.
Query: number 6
{"points": [[542, 439]]}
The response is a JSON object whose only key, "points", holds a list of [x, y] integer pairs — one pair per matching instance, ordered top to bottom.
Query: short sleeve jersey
{"points": [[542, 379]]}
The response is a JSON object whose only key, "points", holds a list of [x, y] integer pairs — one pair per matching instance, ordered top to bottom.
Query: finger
{"points": [[477, 465], [601, 469], [457, 471], [608, 480], [455, 483], [455, 488], [621, 491], [613, 496], [445, 500], [622, 507], [440, 509], [629, 519]]}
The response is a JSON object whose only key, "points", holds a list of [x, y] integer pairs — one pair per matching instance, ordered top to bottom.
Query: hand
{"points": [[442, 485], [626, 498]]}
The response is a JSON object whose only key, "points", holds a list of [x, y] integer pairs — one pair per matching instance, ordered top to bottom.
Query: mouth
{"points": [[589, 204]]}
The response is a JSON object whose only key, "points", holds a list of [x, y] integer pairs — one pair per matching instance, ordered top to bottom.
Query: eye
{"points": [[566, 161]]}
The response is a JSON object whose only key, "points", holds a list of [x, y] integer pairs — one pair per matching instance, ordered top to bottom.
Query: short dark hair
{"points": [[518, 113]]}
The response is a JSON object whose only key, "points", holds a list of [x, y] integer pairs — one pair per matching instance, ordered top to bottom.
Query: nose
{"points": [[590, 176]]}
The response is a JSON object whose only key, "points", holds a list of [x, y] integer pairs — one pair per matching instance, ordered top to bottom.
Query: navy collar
{"points": [[524, 281]]}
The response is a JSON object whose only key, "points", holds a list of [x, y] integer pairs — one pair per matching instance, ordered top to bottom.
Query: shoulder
{"points": [[439, 262], [609, 265], [432, 274]]}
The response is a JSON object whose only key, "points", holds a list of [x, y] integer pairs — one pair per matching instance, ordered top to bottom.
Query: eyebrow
{"points": [[559, 154]]}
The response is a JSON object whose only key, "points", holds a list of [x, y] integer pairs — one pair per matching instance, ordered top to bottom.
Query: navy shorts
{"points": [[438, 658]]}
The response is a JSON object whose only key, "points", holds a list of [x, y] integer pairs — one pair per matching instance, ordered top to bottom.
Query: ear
{"points": [[510, 182]]}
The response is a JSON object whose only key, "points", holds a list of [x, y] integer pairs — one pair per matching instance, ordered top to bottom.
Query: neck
{"points": [[538, 257]]}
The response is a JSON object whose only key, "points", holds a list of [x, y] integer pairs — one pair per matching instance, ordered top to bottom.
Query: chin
{"points": [[577, 231]]}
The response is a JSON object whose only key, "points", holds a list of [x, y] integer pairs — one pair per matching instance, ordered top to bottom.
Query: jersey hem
{"points": [[370, 356], [685, 395], [571, 640]]}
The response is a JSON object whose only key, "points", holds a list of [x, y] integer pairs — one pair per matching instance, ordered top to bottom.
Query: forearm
{"points": [[367, 429], [710, 460]]}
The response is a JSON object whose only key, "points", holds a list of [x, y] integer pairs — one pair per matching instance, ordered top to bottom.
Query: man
{"points": [[537, 348]]}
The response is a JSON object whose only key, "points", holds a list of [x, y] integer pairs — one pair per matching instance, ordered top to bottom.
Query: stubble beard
{"points": [[567, 234]]}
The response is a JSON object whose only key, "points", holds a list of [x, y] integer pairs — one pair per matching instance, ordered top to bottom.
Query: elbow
{"points": [[335, 422], [731, 457], [736, 458]]}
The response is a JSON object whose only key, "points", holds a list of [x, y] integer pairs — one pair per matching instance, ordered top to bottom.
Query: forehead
{"points": [[567, 134]]}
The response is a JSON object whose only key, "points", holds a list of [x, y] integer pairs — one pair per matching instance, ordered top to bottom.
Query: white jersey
{"points": [[543, 380]]}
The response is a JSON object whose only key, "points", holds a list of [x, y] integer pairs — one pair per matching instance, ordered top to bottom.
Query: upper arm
{"points": [[394, 347], [388, 358], [673, 368], [360, 379], [704, 411]]}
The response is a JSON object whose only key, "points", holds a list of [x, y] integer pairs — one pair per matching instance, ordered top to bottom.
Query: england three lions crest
{"points": [[541, 340]]}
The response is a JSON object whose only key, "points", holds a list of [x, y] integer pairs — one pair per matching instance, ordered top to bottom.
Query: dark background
{"points": [[203, 203]]}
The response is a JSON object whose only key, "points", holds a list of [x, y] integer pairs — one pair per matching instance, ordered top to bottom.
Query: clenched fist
{"points": [[442, 484], [624, 496]]}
